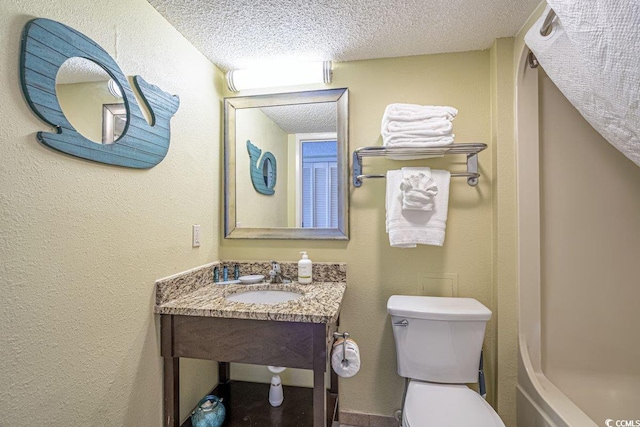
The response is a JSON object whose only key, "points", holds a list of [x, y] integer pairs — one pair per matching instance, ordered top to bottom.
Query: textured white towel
{"points": [[592, 56], [412, 112], [410, 125], [431, 127], [402, 140], [418, 189], [409, 228]]}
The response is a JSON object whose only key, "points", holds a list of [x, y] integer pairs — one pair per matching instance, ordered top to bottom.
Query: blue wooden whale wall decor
{"points": [[46, 45], [263, 174]]}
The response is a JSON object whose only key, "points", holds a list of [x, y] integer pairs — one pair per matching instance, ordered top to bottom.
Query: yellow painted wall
{"points": [[291, 180], [253, 209], [82, 243], [375, 270], [505, 291]]}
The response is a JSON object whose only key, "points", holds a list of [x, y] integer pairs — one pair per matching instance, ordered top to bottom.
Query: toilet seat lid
{"points": [[447, 405]]}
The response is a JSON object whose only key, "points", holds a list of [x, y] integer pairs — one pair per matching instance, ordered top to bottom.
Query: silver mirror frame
{"points": [[341, 98]]}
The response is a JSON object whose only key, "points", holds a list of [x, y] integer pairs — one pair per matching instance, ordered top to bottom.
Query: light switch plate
{"points": [[196, 236]]}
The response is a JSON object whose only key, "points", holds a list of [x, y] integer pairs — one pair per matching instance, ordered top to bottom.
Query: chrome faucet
{"points": [[276, 276]]}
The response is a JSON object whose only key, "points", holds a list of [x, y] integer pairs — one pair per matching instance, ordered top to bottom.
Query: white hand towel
{"points": [[411, 112], [418, 189], [409, 228]]}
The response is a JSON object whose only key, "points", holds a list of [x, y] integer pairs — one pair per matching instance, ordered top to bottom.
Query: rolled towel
{"points": [[411, 112], [418, 189], [345, 365]]}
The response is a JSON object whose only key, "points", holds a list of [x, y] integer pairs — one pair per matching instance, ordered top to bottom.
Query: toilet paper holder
{"points": [[343, 335]]}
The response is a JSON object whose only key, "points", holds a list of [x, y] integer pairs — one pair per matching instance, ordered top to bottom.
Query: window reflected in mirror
{"points": [[319, 181]]}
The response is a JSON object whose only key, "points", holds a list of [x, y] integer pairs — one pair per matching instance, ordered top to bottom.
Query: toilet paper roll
{"points": [[351, 364]]}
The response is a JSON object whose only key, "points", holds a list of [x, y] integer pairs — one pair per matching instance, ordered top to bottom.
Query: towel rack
{"points": [[470, 149]]}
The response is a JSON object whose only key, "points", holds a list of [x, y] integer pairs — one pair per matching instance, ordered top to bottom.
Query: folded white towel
{"points": [[411, 112], [410, 125], [431, 127], [418, 132], [402, 140], [404, 157], [418, 189], [409, 228]]}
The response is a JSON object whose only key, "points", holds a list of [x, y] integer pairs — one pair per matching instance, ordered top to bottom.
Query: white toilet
{"points": [[438, 343]]}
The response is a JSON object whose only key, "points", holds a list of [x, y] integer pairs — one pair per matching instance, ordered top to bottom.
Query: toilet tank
{"points": [[438, 339]]}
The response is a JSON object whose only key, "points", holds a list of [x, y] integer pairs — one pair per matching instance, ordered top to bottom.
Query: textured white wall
{"points": [[81, 243]]}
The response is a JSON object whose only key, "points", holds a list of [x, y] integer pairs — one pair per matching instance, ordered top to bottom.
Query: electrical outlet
{"points": [[196, 236]]}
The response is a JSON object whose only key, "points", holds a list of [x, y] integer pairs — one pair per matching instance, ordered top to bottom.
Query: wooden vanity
{"points": [[197, 321], [261, 342]]}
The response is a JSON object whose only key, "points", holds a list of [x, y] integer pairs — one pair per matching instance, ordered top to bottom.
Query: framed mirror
{"points": [[296, 146]]}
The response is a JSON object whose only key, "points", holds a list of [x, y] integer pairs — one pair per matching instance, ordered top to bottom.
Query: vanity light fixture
{"points": [[280, 74], [114, 89]]}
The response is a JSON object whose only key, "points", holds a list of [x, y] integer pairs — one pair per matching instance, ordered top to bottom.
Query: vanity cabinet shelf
{"points": [[471, 150], [247, 405]]}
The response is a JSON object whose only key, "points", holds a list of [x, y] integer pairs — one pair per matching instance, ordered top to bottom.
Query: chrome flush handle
{"points": [[404, 323]]}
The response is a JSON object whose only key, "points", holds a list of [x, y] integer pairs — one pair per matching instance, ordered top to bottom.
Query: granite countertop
{"points": [[193, 293], [320, 303]]}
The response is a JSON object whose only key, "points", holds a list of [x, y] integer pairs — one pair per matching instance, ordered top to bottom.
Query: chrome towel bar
{"points": [[471, 150]]}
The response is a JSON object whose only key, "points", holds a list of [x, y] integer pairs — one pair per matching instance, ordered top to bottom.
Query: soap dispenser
{"points": [[305, 267]]}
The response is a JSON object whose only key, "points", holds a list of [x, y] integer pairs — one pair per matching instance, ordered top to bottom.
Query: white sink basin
{"points": [[264, 297]]}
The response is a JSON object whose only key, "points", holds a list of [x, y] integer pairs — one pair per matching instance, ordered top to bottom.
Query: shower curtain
{"points": [[593, 56]]}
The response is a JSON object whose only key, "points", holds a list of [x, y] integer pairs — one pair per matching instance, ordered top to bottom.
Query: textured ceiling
{"points": [[239, 33], [80, 70], [304, 118]]}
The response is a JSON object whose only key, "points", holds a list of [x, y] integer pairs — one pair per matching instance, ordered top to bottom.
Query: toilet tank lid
{"points": [[437, 308]]}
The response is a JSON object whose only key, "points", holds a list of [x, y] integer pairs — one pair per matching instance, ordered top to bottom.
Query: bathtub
{"points": [[604, 386], [539, 402]]}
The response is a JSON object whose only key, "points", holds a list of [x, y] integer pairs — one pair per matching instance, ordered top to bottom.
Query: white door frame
{"points": [[317, 136]]}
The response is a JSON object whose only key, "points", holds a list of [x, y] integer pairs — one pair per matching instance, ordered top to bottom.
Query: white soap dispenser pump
{"points": [[305, 267]]}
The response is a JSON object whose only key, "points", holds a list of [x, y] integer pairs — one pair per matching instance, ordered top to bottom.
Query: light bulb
{"points": [[281, 74]]}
